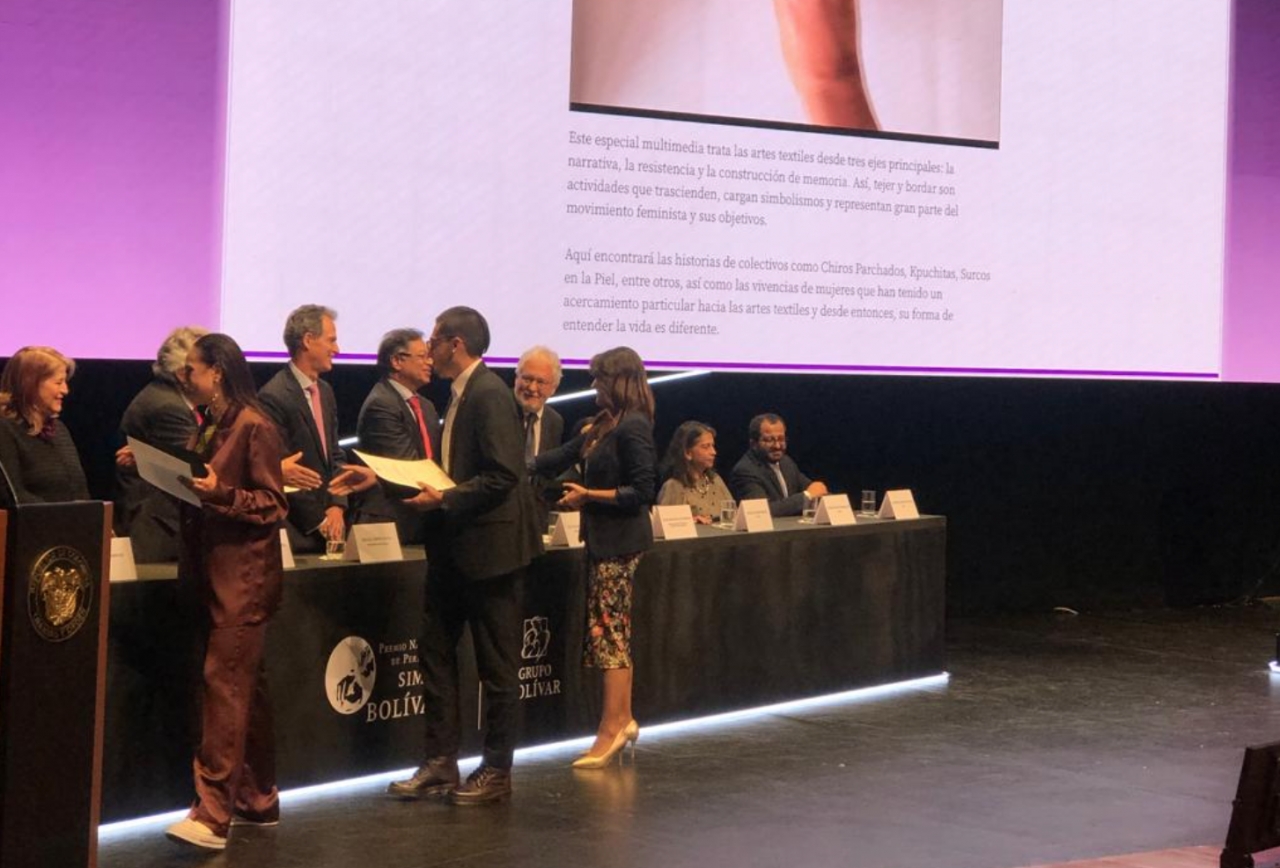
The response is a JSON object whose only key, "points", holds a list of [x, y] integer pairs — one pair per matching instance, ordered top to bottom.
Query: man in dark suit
{"points": [[537, 378], [304, 409], [160, 415], [396, 422], [767, 471], [481, 535]]}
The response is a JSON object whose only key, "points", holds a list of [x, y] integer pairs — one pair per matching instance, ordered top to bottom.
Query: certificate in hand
{"points": [[162, 467], [406, 478]]}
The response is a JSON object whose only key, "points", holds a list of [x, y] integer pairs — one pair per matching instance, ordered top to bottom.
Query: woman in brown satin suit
{"points": [[231, 549]]}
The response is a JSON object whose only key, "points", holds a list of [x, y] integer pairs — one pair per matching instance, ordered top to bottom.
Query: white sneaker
{"points": [[191, 831]]}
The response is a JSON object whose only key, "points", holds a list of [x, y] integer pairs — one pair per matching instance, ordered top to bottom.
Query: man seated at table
{"points": [[537, 378], [767, 471]]}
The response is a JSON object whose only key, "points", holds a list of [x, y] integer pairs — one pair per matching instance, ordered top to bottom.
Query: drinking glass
{"points": [[868, 502], [728, 509]]}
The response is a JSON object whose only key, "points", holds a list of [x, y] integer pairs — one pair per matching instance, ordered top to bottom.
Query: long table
{"points": [[722, 622]]}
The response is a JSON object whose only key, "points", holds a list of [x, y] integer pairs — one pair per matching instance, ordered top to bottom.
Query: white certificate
{"points": [[162, 470], [409, 474]]}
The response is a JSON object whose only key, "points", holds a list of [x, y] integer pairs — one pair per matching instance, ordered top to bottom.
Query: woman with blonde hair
{"points": [[39, 460], [618, 483]]}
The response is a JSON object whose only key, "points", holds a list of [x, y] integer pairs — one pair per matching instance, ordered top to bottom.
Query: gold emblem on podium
{"points": [[60, 593]]}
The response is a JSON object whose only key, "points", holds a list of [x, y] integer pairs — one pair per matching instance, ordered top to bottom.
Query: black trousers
{"points": [[492, 609]]}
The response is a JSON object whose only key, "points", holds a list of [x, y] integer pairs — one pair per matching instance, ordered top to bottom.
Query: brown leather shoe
{"points": [[438, 776], [484, 785]]}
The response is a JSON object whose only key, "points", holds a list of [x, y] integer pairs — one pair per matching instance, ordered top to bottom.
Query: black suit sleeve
{"points": [[382, 431], [499, 455], [560, 459], [637, 460]]}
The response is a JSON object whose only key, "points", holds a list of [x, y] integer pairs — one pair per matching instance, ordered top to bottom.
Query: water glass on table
{"points": [[868, 506], [728, 509]]}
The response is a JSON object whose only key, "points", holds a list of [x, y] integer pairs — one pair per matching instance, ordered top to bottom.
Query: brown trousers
{"points": [[235, 770]]}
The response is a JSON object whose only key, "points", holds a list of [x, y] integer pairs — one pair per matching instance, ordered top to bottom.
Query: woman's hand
{"points": [[353, 478], [203, 486], [574, 496], [699, 518]]}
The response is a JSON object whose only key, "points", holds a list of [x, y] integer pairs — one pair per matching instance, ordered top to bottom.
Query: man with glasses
{"points": [[537, 378], [397, 422], [767, 471], [481, 534]]}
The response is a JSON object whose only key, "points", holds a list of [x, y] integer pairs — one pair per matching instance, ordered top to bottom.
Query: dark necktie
{"points": [[530, 436]]}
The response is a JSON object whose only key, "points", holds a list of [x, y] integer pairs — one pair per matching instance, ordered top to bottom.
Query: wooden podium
{"points": [[53, 638]]}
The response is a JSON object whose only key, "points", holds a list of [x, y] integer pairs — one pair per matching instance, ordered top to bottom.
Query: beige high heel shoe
{"points": [[629, 735]]}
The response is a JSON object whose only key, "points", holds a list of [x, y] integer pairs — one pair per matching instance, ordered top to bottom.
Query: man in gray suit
{"points": [[537, 378], [304, 409], [160, 415], [397, 422], [481, 535]]}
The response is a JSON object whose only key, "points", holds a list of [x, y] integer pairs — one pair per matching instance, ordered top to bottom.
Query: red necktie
{"points": [[416, 403], [318, 414]]}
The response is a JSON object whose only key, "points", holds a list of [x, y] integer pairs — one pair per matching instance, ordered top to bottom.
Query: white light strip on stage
{"points": [[653, 381], [348, 442], [1274, 665], [864, 694]]}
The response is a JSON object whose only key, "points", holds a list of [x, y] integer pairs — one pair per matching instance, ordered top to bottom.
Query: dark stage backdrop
{"points": [[1084, 494]]}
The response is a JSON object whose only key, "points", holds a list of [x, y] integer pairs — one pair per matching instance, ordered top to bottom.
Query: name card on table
{"points": [[899, 504], [835, 510], [753, 515], [673, 522], [568, 530], [373, 543], [286, 550], [122, 568]]}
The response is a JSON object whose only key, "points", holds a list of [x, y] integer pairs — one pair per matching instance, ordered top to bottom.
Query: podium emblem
{"points": [[60, 593], [537, 638], [350, 675]]}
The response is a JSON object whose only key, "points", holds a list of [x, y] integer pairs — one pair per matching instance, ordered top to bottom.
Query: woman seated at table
{"points": [[36, 452], [690, 461], [231, 553]]}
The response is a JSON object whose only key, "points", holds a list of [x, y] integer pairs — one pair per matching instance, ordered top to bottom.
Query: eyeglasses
{"points": [[439, 339], [421, 357], [530, 380], [774, 441]]}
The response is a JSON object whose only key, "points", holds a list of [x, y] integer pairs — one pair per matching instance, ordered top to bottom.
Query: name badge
{"points": [[899, 504], [835, 510], [753, 516], [673, 522], [568, 530], [373, 543], [286, 550], [122, 567]]}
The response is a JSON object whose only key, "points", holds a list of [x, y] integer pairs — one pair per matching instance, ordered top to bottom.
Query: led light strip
{"points": [[301, 794]]}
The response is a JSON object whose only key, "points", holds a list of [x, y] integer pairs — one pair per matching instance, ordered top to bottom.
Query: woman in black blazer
{"points": [[39, 460], [618, 486]]}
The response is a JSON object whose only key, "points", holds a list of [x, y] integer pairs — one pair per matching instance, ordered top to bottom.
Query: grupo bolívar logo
{"points": [[60, 593], [537, 638], [350, 675], [537, 679]]}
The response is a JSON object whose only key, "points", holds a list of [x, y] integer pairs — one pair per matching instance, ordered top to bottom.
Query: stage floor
{"points": [[1057, 738]]}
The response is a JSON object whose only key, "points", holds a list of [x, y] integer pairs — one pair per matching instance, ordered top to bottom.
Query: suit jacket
{"points": [[288, 406], [160, 416], [387, 427], [625, 459], [753, 477], [546, 489], [487, 524], [231, 543]]}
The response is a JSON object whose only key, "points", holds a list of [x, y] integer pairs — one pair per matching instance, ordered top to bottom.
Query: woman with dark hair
{"points": [[36, 452], [691, 463], [617, 488], [231, 551]]}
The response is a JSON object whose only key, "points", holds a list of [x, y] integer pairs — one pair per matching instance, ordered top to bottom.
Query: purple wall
{"points": [[110, 125], [108, 175], [1251, 321]]}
